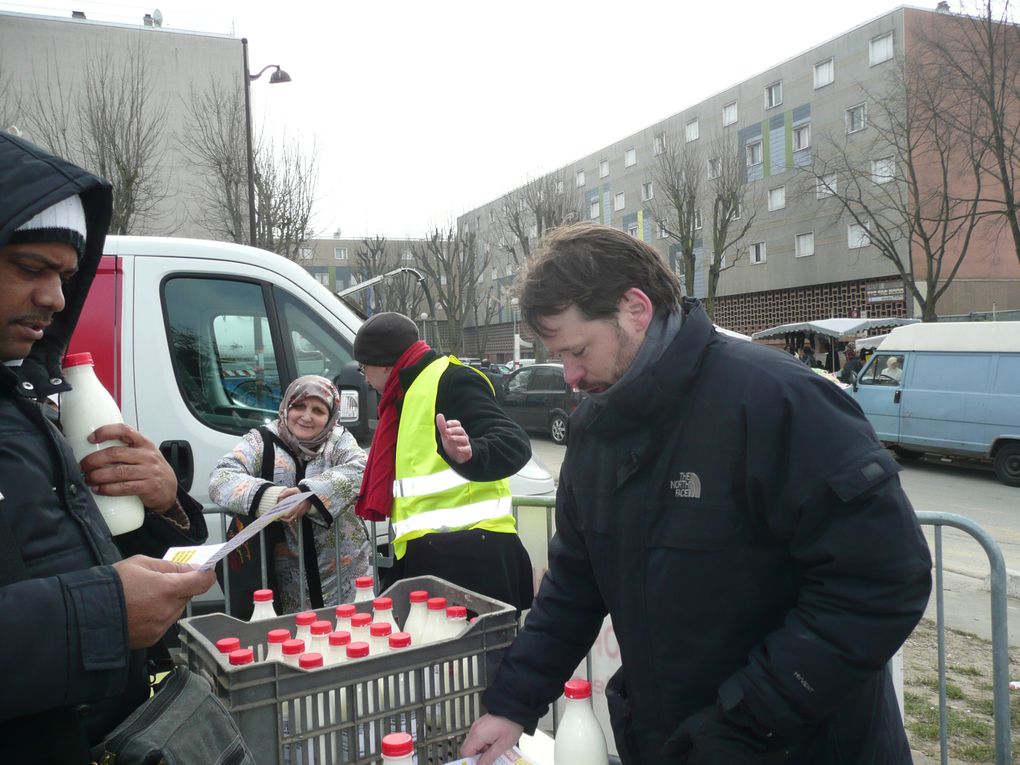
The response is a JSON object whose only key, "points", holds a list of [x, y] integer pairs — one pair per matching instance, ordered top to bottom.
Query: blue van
{"points": [[947, 388]]}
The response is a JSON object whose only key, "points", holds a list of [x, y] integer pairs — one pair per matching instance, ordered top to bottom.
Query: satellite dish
{"points": [[157, 17]]}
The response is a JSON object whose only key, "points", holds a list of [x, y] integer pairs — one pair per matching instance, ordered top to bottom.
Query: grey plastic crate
{"points": [[338, 715]]}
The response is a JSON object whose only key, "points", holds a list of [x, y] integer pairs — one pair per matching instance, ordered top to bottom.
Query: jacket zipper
{"points": [[171, 689]]}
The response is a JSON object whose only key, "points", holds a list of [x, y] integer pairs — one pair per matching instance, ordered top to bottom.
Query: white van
{"points": [[947, 388]]}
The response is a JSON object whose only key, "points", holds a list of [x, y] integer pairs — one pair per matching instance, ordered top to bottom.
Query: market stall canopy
{"points": [[841, 329], [870, 342]]}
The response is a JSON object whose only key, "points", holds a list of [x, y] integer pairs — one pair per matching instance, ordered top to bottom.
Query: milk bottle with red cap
{"points": [[87, 406], [364, 589], [263, 606], [382, 611], [416, 615], [343, 617], [435, 621], [360, 628], [320, 636], [380, 637], [338, 642], [274, 644], [579, 737], [398, 749]]}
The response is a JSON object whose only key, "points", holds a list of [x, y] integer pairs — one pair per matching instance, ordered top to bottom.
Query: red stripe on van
{"points": [[99, 326]]}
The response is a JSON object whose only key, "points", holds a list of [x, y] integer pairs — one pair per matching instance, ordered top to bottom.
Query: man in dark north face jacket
{"points": [[736, 516]]}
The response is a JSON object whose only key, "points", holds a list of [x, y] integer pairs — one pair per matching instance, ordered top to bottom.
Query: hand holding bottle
{"points": [[135, 469]]}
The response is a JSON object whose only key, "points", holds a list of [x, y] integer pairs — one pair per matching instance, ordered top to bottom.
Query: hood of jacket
{"points": [[31, 180]]}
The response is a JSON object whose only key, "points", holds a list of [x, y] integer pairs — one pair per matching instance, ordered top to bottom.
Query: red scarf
{"points": [[375, 500]]}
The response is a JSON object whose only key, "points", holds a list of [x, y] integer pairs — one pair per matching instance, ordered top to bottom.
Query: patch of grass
{"points": [[971, 671], [953, 691], [963, 724], [977, 752]]}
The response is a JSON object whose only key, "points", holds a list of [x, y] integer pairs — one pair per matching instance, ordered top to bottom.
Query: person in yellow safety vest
{"points": [[439, 464]]}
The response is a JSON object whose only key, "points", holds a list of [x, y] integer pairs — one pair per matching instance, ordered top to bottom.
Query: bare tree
{"points": [[979, 56], [8, 100], [113, 124], [677, 176], [285, 181], [912, 182], [734, 209], [526, 213], [454, 266], [485, 306]]}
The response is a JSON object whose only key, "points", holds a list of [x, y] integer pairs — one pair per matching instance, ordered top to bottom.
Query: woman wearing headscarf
{"points": [[311, 452]]}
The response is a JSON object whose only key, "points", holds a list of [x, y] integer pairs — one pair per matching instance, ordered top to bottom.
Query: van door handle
{"points": [[896, 397], [178, 454]]}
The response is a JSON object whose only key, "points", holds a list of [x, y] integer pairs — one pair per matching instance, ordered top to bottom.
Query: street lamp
{"points": [[276, 77], [514, 302]]}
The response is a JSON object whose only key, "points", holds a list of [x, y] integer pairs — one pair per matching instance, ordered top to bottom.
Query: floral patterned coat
{"points": [[334, 475]]}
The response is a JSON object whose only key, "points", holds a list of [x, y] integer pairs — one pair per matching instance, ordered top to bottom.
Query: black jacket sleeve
{"points": [[498, 444]]}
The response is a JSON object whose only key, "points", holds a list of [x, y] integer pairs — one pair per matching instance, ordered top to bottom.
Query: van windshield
{"points": [[884, 369]]}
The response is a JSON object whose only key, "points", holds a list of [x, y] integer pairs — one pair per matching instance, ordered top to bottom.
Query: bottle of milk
{"points": [[84, 408], [364, 589], [263, 608], [382, 611], [416, 615], [579, 737], [397, 749]]}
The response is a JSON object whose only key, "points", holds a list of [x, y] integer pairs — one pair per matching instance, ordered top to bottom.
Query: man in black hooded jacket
{"points": [[75, 615]]}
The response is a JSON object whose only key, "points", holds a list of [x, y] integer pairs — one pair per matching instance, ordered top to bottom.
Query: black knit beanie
{"points": [[383, 338]]}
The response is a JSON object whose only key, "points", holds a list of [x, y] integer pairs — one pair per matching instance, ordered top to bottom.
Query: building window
{"points": [[880, 49], [825, 73], [774, 94], [729, 113], [856, 118], [692, 130], [802, 137], [659, 143], [754, 154], [630, 158], [603, 168], [714, 168], [883, 170], [579, 178], [825, 186], [559, 187], [646, 191], [777, 198], [619, 201], [593, 210], [737, 212], [492, 216], [697, 219], [632, 230], [533, 231], [662, 232], [857, 236], [804, 244], [757, 252], [305, 253], [339, 253], [407, 255], [495, 273], [323, 279], [442, 279]]}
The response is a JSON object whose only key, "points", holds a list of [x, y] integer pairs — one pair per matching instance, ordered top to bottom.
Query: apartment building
{"points": [[803, 257]]}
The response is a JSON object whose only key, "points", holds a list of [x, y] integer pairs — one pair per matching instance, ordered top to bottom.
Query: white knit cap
{"points": [[61, 222]]}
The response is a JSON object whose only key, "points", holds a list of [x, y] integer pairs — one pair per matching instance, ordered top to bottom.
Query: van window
{"points": [[318, 350], [225, 357], [884, 369], [951, 373]]}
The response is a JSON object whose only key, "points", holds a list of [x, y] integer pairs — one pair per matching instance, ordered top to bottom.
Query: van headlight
{"points": [[348, 406]]}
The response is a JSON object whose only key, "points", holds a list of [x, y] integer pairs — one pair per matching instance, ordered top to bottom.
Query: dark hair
{"points": [[591, 266]]}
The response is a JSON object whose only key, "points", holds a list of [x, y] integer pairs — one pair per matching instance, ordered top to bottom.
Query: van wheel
{"points": [[558, 429], [907, 455], [1007, 464]]}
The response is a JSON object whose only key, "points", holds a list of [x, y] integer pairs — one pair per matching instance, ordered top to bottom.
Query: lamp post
{"points": [[276, 77], [514, 302]]}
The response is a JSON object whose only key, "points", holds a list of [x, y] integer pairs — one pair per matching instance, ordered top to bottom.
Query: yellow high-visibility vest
{"points": [[428, 495]]}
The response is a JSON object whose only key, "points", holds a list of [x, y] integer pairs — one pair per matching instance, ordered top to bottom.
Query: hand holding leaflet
{"points": [[205, 557]]}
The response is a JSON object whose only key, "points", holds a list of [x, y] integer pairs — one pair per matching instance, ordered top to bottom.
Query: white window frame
{"points": [[881, 49], [830, 71], [774, 94], [849, 118], [730, 119], [692, 130], [804, 134], [659, 143], [750, 150], [630, 158], [603, 168], [714, 168], [883, 170], [579, 178], [559, 186], [826, 186], [647, 191], [777, 198], [619, 201], [594, 209], [737, 213], [492, 216], [697, 219], [632, 229], [662, 232], [862, 238], [799, 249], [306, 253], [339, 253], [756, 253], [407, 255]]}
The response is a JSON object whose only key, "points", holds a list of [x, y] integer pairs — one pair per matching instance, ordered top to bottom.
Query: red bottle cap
{"points": [[77, 359], [364, 581], [263, 596], [418, 596], [382, 604], [437, 604], [346, 611], [456, 612], [305, 618], [361, 620], [322, 627], [380, 629], [278, 636], [340, 637], [400, 640], [227, 644], [293, 647], [357, 650], [241, 656], [310, 660], [577, 689], [397, 745]]}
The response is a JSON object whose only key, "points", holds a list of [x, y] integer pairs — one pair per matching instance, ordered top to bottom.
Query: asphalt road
{"points": [[967, 489]]}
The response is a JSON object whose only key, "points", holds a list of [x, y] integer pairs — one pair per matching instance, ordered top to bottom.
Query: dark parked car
{"points": [[538, 400]]}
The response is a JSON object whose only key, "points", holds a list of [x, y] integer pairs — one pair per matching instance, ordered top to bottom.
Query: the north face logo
{"points": [[687, 485]]}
